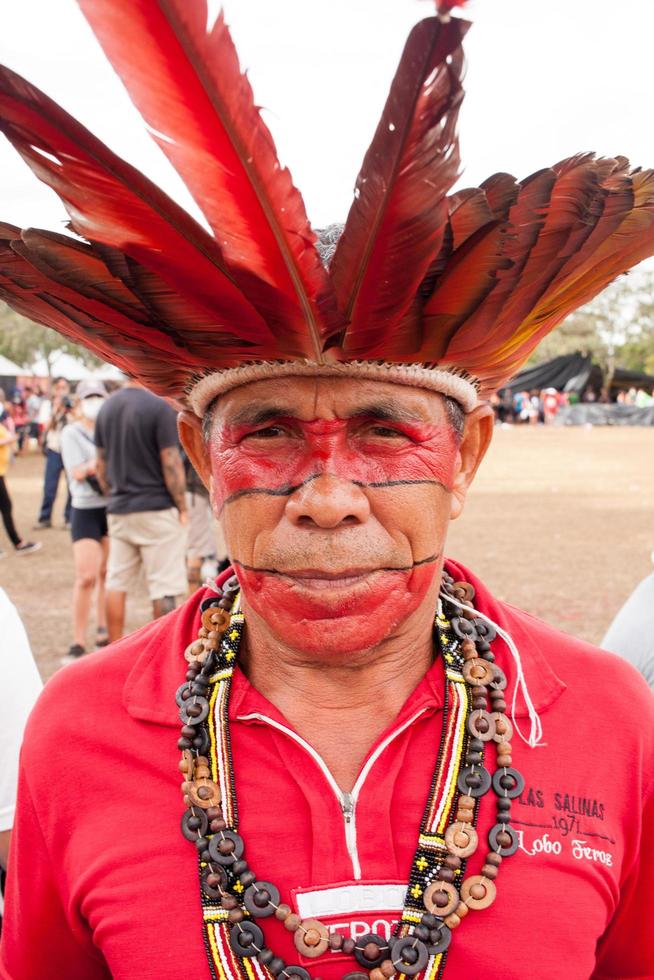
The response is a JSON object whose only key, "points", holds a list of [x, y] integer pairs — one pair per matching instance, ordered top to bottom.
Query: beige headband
{"points": [[461, 389]]}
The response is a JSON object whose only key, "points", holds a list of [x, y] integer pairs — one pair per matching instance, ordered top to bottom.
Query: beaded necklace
{"points": [[235, 900]]}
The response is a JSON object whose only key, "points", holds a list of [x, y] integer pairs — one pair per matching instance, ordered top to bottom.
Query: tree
{"points": [[616, 328], [23, 341]]}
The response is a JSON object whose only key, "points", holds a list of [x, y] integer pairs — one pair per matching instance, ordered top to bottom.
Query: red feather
{"points": [[187, 83], [113, 203], [396, 223]]}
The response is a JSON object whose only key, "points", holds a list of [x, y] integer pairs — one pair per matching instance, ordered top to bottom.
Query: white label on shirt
{"points": [[346, 899]]}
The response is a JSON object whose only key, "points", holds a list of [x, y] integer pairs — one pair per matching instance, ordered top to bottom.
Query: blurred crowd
{"points": [[540, 407], [136, 510]]}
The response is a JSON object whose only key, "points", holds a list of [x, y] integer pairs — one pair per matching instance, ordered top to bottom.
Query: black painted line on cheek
{"points": [[288, 490], [430, 560]]}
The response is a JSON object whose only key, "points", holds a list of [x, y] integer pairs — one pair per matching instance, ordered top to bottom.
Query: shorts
{"points": [[88, 523], [204, 535], [150, 540]]}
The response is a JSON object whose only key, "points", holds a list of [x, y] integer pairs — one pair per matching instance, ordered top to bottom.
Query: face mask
{"points": [[91, 407]]}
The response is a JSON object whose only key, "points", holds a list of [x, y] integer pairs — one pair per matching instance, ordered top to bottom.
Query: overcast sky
{"points": [[546, 78]]}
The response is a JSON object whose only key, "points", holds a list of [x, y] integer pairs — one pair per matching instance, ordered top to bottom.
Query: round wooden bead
{"points": [[215, 619], [195, 652], [477, 672], [499, 681], [481, 725], [503, 727], [474, 780], [508, 783], [204, 793], [465, 816], [194, 824], [503, 839], [461, 841], [226, 847], [494, 859], [453, 862], [490, 872], [478, 892], [440, 898], [260, 899], [282, 911], [452, 920], [292, 922], [300, 936], [440, 937], [246, 938], [335, 941], [371, 950], [409, 955], [387, 969], [296, 971], [377, 974]]}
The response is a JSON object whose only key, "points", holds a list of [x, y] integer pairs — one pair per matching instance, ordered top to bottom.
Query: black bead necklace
{"points": [[438, 897]]}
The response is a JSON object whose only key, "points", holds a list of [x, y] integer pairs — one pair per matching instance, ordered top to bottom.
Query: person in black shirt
{"points": [[140, 469]]}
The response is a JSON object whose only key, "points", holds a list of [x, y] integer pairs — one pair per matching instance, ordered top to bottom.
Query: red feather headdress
{"points": [[445, 291]]}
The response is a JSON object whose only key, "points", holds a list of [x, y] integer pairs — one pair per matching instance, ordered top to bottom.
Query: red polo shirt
{"points": [[102, 884]]}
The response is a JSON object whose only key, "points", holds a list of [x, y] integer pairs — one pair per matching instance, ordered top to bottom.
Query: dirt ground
{"points": [[559, 522]]}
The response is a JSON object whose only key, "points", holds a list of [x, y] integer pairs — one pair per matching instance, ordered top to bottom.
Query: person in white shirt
{"points": [[20, 685]]}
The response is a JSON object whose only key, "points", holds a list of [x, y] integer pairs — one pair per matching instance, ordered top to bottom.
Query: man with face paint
{"points": [[385, 771]]}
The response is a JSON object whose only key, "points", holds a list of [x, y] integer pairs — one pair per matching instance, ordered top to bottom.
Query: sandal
{"points": [[102, 637]]}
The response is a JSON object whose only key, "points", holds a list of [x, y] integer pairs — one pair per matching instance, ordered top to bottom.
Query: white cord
{"points": [[535, 728]]}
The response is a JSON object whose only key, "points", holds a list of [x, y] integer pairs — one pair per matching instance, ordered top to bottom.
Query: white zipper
{"points": [[347, 801]]}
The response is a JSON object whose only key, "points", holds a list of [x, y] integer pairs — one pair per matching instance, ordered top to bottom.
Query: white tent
{"points": [[71, 368], [8, 369]]}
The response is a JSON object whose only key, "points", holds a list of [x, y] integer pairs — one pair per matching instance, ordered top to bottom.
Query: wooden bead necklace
{"points": [[438, 897]]}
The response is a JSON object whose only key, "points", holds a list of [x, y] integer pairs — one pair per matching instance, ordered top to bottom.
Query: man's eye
{"points": [[269, 432], [384, 432]]}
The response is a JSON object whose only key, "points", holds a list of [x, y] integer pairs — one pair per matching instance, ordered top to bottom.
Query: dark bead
{"points": [[225, 604], [479, 703], [188, 731], [198, 742], [184, 743], [475, 745], [474, 758], [473, 780], [503, 804], [212, 812], [193, 822], [217, 825], [201, 843], [226, 846], [205, 856], [453, 862], [239, 867], [445, 874], [247, 878], [214, 880], [228, 902], [237, 915], [428, 920], [421, 932], [348, 946], [266, 955], [410, 955], [276, 966]]}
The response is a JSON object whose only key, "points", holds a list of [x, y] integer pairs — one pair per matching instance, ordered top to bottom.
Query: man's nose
{"points": [[328, 501]]}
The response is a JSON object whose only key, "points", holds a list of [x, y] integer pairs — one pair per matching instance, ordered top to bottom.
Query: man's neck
{"points": [[340, 708]]}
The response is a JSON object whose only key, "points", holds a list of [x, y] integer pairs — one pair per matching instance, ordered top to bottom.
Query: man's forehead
{"points": [[328, 398]]}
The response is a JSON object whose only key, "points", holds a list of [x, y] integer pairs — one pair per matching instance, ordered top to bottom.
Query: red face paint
{"points": [[281, 456], [362, 499], [346, 620]]}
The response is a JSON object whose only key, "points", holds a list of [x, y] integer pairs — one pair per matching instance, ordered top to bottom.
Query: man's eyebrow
{"points": [[386, 412], [258, 415]]}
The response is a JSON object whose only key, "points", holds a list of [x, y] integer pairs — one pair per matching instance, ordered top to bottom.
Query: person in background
{"points": [[33, 399], [5, 417], [19, 418], [59, 418], [140, 468], [88, 515], [205, 545], [21, 547], [631, 634], [20, 685]]}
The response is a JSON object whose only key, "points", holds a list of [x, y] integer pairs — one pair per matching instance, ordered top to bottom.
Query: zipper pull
{"points": [[347, 806]]}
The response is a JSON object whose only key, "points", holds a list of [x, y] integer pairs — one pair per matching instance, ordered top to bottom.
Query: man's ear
{"points": [[189, 427], [477, 434]]}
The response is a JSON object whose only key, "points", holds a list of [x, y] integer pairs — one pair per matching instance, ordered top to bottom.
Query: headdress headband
{"points": [[446, 292]]}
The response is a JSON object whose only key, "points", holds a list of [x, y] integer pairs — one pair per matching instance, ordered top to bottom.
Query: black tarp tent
{"points": [[569, 372]]}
